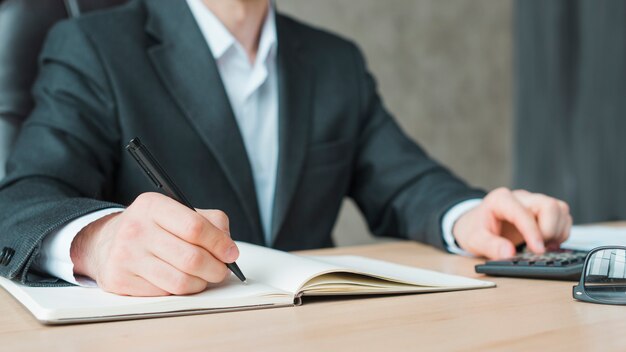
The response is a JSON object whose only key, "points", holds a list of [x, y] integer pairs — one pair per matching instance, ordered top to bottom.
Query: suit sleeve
{"points": [[64, 154], [401, 190]]}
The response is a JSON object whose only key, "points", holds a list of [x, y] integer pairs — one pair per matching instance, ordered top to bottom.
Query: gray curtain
{"points": [[570, 96]]}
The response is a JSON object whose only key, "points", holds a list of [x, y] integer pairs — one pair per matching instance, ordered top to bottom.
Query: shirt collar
{"points": [[220, 39], [267, 41]]}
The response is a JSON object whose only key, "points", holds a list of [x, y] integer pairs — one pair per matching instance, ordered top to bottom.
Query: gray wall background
{"points": [[444, 69]]}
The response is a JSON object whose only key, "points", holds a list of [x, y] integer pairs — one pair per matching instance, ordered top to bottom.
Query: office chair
{"points": [[24, 25]]}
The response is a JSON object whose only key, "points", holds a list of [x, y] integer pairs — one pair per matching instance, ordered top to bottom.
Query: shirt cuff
{"points": [[450, 218], [54, 257]]}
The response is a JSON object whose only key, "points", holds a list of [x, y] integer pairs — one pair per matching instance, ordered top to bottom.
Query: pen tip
{"points": [[245, 282]]}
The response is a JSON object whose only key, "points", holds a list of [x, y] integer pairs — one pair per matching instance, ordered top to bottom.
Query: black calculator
{"points": [[554, 265]]}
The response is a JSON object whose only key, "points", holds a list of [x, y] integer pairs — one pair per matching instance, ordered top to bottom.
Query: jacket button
{"points": [[6, 255]]}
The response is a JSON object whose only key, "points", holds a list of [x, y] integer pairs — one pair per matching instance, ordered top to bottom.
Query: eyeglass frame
{"points": [[579, 293]]}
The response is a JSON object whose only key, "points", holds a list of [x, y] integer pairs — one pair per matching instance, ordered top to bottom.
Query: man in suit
{"points": [[259, 116]]}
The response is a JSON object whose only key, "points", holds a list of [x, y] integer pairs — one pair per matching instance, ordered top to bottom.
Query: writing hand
{"points": [[155, 247]]}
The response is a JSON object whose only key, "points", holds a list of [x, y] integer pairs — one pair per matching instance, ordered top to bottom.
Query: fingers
{"points": [[504, 206], [547, 212], [168, 213], [552, 215], [505, 217], [218, 218], [190, 225], [566, 228], [485, 243], [188, 258], [167, 278], [124, 282], [140, 287]]}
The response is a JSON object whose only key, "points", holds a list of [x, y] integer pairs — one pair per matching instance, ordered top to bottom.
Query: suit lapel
{"points": [[184, 62], [295, 87]]}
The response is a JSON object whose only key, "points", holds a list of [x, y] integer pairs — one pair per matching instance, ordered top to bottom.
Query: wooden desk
{"points": [[518, 315]]}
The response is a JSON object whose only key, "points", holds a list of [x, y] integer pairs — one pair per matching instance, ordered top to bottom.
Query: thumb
{"points": [[491, 245]]}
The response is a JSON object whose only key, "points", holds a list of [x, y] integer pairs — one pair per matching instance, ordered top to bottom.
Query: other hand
{"points": [[508, 218]]}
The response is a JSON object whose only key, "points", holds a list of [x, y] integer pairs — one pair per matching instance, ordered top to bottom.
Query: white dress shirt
{"points": [[252, 90]]}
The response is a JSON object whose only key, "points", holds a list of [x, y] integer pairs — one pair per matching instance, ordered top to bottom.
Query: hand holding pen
{"points": [[161, 180], [155, 247]]}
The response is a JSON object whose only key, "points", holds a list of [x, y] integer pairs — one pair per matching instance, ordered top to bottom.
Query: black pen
{"points": [[161, 180]]}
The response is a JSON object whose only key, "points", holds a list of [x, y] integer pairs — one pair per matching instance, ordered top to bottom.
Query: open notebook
{"points": [[275, 279]]}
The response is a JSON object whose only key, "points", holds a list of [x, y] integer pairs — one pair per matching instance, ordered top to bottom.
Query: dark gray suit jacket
{"points": [[145, 70]]}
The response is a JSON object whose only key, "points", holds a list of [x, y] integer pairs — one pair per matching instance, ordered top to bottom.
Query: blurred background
{"points": [[444, 70], [525, 94]]}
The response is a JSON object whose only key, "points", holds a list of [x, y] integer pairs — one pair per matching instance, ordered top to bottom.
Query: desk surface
{"points": [[518, 315]]}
